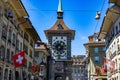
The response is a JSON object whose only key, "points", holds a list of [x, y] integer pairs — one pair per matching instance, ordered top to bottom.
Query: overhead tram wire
{"points": [[55, 10], [73, 10]]}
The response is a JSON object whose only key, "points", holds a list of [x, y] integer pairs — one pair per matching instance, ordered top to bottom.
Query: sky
{"points": [[79, 15]]}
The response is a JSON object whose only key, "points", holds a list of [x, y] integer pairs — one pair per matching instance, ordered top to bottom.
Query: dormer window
{"points": [[10, 13], [60, 26], [95, 39]]}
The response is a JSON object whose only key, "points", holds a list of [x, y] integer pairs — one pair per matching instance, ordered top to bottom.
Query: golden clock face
{"points": [[59, 47]]}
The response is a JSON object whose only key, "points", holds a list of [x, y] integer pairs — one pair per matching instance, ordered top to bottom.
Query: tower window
{"points": [[60, 26], [104, 48], [96, 50], [96, 58]]}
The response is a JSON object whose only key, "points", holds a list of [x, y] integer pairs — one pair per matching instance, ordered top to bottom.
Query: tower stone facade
{"points": [[59, 37]]}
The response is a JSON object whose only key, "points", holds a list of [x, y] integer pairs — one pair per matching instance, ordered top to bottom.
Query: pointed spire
{"points": [[60, 6], [60, 11]]}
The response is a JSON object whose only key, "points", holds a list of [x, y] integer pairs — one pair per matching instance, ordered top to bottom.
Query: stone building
{"points": [[110, 31], [16, 34], [95, 50], [41, 59], [79, 67]]}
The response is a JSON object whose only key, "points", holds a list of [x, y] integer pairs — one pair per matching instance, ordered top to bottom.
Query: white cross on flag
{"points": [[19, 59]]}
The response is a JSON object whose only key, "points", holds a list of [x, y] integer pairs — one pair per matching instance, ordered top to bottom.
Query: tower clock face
{"points": [[59, 46]]}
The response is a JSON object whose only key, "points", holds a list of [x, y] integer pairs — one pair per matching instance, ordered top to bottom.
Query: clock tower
{"points": [[59, 37]]}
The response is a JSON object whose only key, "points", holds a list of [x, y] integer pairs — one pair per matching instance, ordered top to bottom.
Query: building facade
{"points": [[111, 32], [16, 34], [59, 37], [95, 50], [41, 58], [79, 67]]}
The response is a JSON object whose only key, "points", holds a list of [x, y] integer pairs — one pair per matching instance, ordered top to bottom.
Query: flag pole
{"points": [[21, 71], [14, 73]]}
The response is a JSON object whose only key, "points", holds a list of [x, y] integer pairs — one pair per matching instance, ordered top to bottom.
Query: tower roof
{"points": [[60, 6], [60, 11], [56, 26], [59, 27], [62, 30]]}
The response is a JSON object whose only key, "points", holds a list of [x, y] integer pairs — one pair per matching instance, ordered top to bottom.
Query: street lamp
{"points": [[25, 19], [42, 69]]}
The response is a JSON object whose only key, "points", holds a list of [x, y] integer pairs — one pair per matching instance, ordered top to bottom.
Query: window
{"points": [[10, 14], [60, 26], [119, 26], [116, 29], [4, 31], [112, 32], [9, 36], [26, 37], [14, 39], [95, 39], [31, 42], [17, 45], [36, 45], [20, 46], [118, 46], [25, 47], [104, 48], [96, 50], [2, 52], [31, 53], [8, 55], [12, 57], [96, 59], [30, 64], [75, 70], [78, 70], [10, 75]]}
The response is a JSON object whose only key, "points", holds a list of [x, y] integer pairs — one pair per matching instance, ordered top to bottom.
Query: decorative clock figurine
{"points": [[59, 47]]}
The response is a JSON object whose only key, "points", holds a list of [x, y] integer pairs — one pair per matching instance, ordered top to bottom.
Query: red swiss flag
{"points": [[19, 59], [109, 65]]}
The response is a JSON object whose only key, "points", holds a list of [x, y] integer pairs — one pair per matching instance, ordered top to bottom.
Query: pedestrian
{"points": [[32, 77]]}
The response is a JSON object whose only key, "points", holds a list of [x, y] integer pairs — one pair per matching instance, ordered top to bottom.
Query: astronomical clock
{"points": [[59, 47]]}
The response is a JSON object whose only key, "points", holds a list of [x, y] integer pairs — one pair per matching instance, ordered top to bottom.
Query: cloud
{"points": [[84, 38]]}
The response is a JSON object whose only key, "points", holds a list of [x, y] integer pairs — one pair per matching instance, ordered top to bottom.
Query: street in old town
{"points": [[59, 39]]}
